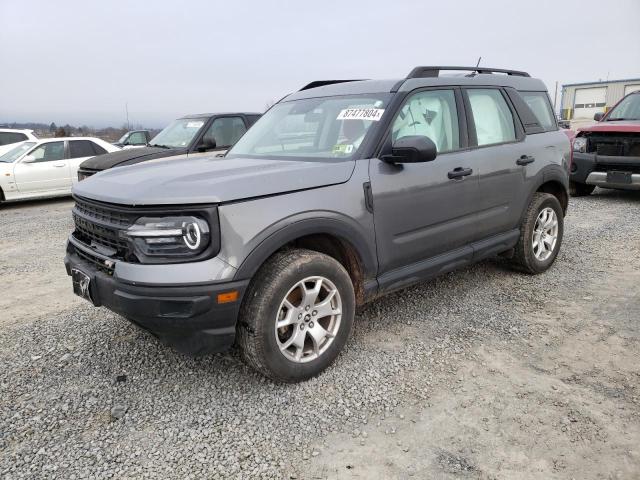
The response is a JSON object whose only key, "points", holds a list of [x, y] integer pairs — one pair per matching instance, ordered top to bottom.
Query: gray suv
{"points": [[341, 192]]}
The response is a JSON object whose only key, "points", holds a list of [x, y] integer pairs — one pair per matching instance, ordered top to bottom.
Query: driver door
{"points": [[49, 172], [425, 214]]}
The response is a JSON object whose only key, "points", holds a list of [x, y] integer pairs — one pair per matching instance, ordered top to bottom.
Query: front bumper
{"points": [[591, 169], [187, 317]]}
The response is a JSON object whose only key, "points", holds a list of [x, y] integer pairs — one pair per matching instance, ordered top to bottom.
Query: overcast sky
{"points": [[79, 62]]}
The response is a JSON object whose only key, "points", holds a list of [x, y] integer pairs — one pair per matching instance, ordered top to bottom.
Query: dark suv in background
{"points": [[191, 135], [341, 192]]}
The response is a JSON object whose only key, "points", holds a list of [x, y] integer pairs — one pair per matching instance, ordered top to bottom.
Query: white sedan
{"points": [[47, 167]]}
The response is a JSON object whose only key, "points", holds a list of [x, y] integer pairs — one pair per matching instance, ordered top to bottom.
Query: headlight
{"points": [[580, 144], [174, 237]]}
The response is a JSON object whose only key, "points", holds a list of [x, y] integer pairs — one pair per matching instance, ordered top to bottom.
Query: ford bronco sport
{"points": [[607, 154], [342, 191]]}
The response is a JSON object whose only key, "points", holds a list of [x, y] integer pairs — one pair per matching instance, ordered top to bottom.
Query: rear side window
{"points": [[539, 104], [492, 116], [7, 138], [81, 148]]}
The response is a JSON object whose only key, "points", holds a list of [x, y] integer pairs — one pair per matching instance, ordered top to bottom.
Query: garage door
{"points": [[631, 88], [589, 101]]}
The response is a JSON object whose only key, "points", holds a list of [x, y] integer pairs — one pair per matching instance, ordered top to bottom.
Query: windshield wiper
{"points": [[621, 119], [158, 145]]}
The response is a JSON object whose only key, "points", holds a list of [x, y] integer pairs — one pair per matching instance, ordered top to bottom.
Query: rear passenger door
{"points": [[497, 140]]}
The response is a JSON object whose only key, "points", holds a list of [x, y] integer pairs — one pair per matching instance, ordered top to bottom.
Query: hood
{"points": [[628, 126], [128, 156], [209, 180]]}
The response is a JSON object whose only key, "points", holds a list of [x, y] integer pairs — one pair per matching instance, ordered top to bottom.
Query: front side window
{"points": [[538, 102], [627, 109], [431, 114], [492, 116], [325, 127], [225, 131], [178, 134], [7, 138], [137, 138], [81, 148], [16, 152], [49, 152]]}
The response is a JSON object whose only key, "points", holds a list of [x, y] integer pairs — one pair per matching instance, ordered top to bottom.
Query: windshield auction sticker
{"points": [[372, 114]]}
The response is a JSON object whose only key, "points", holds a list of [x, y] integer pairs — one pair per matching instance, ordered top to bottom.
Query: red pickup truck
{"points": [[607, 154]]}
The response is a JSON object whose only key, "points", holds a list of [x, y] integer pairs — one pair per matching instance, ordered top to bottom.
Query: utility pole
{"points": [[126, 109]]}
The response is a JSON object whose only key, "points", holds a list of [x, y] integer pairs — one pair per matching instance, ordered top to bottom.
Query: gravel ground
{"points": [[482, 373]]}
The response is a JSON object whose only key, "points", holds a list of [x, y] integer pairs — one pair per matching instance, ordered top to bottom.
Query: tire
{"points": [[580, 189], [528, 257], [286, 276]]}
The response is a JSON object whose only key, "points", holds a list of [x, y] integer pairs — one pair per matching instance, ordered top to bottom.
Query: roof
{"points": [[600, 82], [405, 84], [209, 115]]}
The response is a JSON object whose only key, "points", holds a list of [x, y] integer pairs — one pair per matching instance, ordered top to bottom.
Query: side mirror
{"points": [[598, 116], [207, 144], [412, 149], [29, 159]]}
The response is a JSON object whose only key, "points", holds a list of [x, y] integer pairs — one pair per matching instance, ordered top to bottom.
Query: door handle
{"points": [[525, 160], [59, 165], [459, 172]]}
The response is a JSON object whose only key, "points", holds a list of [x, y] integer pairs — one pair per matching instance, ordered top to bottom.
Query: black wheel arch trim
{"points": [[550, 173], [303, 225]]}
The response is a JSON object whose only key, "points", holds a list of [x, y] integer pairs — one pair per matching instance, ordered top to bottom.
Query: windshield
{"points": [[627, 109], [329, 127], [178, 134], [123, 138], [16, 152]]}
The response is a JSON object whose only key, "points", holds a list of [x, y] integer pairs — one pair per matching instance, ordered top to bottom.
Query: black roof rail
{"points": [[424, 72], [322, 83]]}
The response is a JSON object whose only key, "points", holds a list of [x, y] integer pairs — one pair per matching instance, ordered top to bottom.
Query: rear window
{"points": [[539, 104], [7, 138]]}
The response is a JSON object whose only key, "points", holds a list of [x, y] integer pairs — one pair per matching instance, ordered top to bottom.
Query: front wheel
{"points": [[540, 234], [296, 316]]}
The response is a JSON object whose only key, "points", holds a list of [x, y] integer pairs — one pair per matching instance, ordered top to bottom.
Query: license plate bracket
{"points": [[621, 178], [81, 284]]}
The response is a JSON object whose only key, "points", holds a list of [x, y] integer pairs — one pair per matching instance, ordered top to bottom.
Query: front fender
{"points": [[309, 223]]}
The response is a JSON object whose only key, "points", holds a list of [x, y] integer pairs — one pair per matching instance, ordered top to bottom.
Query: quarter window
{"points": [[538, 102], [430, 114], [492, 116], [49, 152]]}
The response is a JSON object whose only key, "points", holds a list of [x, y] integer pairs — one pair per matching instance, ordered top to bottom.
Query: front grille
{"points": [[610, 149], [98, 226], [97, 262]]}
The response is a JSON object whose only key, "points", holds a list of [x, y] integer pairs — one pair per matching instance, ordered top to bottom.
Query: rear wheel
{"points": [[580, 189], [540, 234], [296, 316]]}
